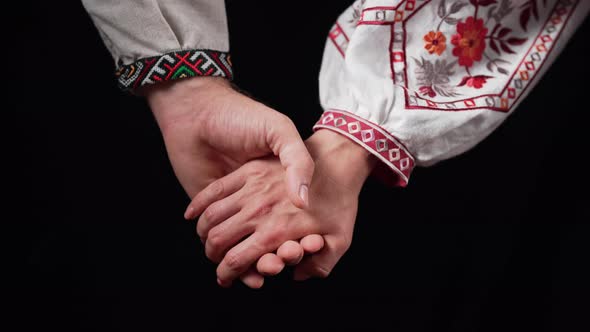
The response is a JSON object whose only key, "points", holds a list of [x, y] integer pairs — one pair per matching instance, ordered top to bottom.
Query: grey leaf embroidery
{"points": [[456, 7], [442, 9], [502, 10], [357, 11], [446, 16], [451, 21], [494, 63], [490, 65], [502, 71], [436, 75], [445, 91]]}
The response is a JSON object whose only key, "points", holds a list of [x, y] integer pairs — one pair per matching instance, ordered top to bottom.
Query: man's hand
{"points": [[210, 130]]}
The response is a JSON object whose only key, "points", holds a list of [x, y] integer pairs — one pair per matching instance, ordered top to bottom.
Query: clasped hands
{"points": [[263, 197]]}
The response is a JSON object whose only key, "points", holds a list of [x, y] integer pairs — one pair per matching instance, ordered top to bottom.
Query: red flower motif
{"points": [[469, 41], [476, 82], [427, 91]]}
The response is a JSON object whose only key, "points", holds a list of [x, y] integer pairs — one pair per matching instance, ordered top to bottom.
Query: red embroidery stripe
{"points": [[174, 65], [373, 138]]}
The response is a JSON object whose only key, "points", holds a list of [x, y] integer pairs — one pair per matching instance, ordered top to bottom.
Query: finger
{"points": [[286, 143], [215, 191], [217, 213], [227, 234], [312, 243], [290, 252], [239, 258], [322, 263], [270, 264], [252, 279]]}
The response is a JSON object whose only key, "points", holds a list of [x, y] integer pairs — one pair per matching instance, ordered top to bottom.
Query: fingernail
{"points": [[303, 193], [188, 214]]}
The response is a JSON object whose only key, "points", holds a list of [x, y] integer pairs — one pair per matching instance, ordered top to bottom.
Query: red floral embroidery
{"points": [[469, 41], [435, 42], [470, 44], [476, 82]]}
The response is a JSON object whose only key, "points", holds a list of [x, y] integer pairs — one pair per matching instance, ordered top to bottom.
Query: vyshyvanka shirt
{"points": [[419, 81], [413, 82]]}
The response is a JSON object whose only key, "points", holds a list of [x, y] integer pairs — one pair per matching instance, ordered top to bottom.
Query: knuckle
{"points": [[283, 119], [286, 122], [307, 163], [265, 187], [216, 188], [261, 210], [210, 213], [200, 230], [274, 236], [215, 240], [347, 242], [342, 244], [346, 246], [342, 247], [213, 248], [210, 253], [234, 261]]}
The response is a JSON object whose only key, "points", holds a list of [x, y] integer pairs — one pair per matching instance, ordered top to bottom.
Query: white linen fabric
{"points": [[136, 29], [155, 41]]}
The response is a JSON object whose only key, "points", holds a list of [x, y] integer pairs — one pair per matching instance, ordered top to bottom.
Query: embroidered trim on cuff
{"points": [[172, 66], [373, 138]]}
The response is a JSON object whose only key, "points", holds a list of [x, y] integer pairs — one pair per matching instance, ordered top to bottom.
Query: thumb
{"points": [[286, 143], [322, 263]]}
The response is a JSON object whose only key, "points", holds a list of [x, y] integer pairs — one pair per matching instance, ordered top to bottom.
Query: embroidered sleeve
{"points": [[160, 40], [419, 81]]}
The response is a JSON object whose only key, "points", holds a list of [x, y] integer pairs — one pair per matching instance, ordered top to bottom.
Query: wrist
{"points": [[166, 99], [347, 162]]}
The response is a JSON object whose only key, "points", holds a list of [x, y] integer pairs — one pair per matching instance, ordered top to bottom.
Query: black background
{"points": [[94, 238]]}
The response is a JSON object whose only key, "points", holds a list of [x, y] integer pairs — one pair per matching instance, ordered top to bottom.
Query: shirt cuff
{"points": [[172, 66], [382, 144]]}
